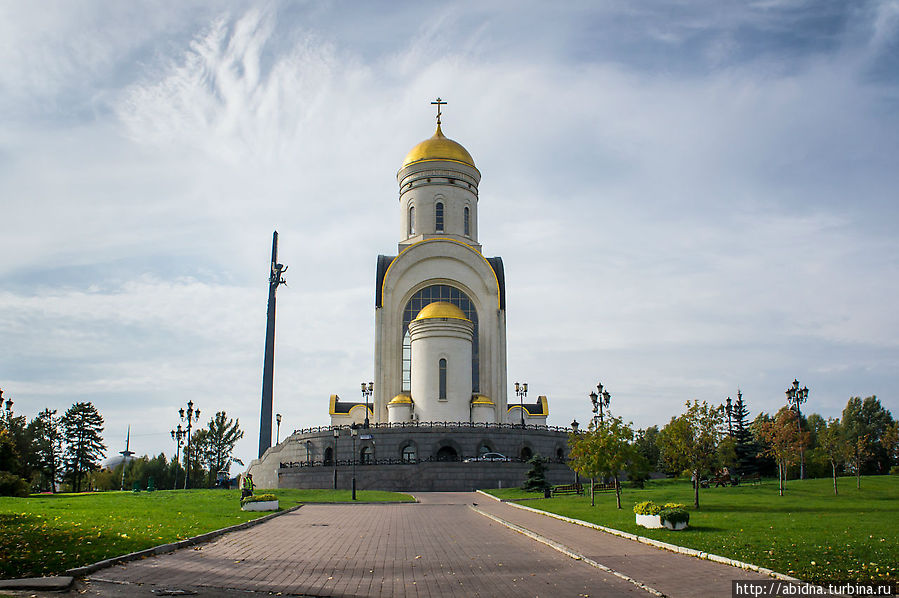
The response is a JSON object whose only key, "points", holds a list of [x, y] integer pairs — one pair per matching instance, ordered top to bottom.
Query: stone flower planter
{"points": [[263, 505], [649, 521], [674, 526]]}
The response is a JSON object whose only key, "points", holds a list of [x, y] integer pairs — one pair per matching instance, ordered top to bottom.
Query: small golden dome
{"points": [[438, 147], [441, 309], [401, 399], [481, 400]]}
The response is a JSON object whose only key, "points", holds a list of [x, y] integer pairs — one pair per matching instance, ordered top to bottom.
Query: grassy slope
{"points": [[808, 533], [45, 535]]}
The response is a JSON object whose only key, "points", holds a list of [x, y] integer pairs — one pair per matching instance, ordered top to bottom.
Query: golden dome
{"points": [[438, 147], [441, 309], [401, 399]]}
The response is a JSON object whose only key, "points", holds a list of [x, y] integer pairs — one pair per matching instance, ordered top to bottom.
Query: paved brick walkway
{"points": [[437, 548], [675, 575]]}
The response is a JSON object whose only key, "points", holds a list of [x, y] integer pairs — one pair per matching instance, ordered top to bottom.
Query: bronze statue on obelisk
{"points": [[268, 370]]}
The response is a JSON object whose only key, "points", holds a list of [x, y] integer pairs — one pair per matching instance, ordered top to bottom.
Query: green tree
{"points": [[869, 419], [83, 426], [47, 434], [692, 440], [784, 441], [832, 441], [646, 442], [215, 445], [745, 449], [604, 451], [858, 453], [763, 462], [535, 479], [11, 484]]}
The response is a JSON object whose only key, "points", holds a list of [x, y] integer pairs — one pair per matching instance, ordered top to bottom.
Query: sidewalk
{"points": [[675, 575]]}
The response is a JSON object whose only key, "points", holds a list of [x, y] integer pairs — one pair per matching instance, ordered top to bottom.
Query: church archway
{"points": [[426, 296], [447, 453], [526, 453], [366, 455], [329, 456]]}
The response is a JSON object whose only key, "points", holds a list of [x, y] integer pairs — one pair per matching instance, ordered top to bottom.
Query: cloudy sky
{"points": [[689, 197]]}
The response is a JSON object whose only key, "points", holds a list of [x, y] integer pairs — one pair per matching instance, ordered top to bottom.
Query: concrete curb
{"points": [[659, 544], [173, 546], [568, 552], [57, 583]]}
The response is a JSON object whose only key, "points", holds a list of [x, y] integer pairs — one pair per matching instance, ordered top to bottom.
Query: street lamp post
{"points": [[367, 389], [521, 391], [795, 397], [599, 401], [190, 417], [574, 427], [278, 428], [354, 430], [178, 436], [334, 456]]}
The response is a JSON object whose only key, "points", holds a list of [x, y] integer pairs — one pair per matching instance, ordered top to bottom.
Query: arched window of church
{"points": [[438, 218], [411, 220], [465, 222], [430, 294], [442, 383], [409, 454], [367, 455], [329, 456]]}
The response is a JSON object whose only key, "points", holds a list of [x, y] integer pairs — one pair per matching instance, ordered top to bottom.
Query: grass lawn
{"points": [[808, 533], [45, 534]]}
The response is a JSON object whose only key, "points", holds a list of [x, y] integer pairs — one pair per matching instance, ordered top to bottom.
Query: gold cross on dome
{"points": [[438, 103]]}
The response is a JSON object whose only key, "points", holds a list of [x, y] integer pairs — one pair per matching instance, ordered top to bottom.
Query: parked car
{"points": [[488, 457]]}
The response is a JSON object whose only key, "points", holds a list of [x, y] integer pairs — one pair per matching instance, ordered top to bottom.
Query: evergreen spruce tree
{"points": [[82, 425], [745, 448], [536, 477]]}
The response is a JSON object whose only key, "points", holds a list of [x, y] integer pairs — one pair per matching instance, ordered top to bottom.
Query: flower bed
{"points": [[260, 502], [652, 516]]}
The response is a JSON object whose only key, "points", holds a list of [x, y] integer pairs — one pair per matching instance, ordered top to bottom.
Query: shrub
{"points": [[894, 470], [12, 485], [258, 498], [647, 508], [674, 514]]}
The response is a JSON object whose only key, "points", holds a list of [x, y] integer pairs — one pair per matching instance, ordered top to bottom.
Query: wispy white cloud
{"points": [[675, 223]]}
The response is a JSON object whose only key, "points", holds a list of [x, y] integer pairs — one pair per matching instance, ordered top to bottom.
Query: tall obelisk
{"points": [[268, 369]]}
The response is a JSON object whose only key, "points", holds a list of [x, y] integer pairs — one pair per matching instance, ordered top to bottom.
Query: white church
{"points": [[439, 394]]}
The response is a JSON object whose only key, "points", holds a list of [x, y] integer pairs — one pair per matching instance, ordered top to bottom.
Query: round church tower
{"points": [[438, 192], [439, 259], [441, 363]]}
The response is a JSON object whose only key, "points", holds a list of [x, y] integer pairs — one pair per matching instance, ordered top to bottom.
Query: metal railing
{"points": [[445, 425], [361, 463]]}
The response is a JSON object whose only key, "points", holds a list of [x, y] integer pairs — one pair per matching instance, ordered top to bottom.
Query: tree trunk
{"points": [[834, 466], [858, 476], [780, 477], [696, 490], [592, 492], [617, 492]]}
